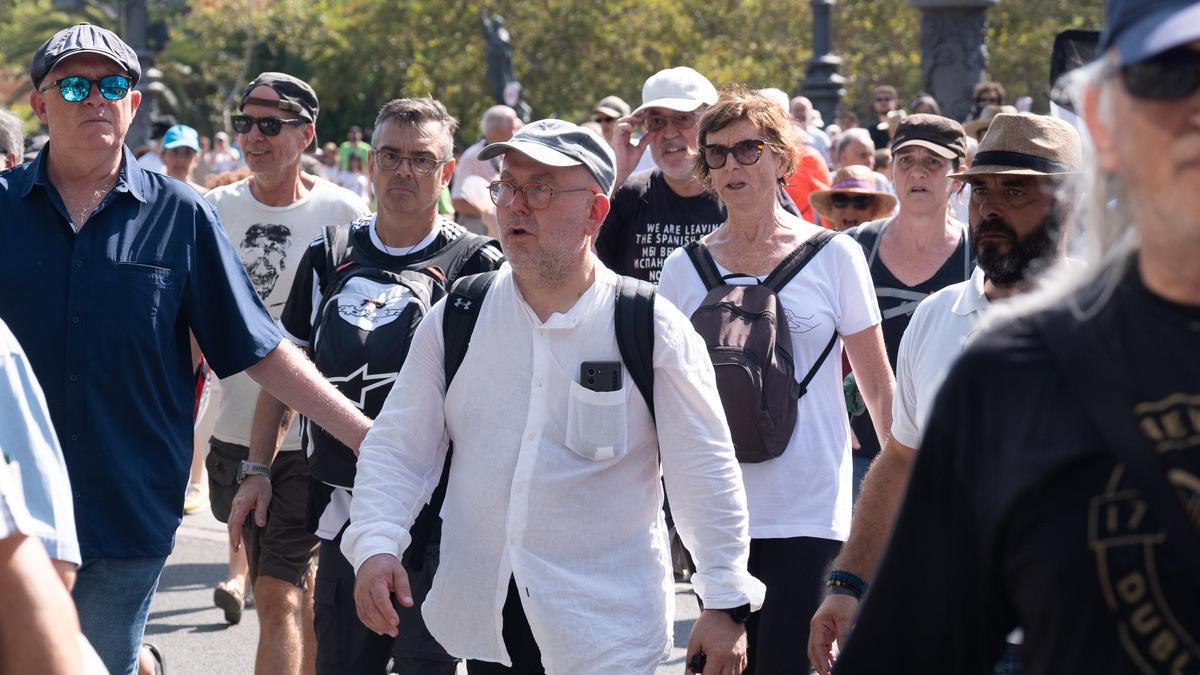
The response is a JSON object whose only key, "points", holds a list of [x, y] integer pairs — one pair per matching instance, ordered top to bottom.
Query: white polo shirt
{"points": [[935, 337]]}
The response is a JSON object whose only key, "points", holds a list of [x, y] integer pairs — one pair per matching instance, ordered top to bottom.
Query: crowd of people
{"points": [[914, 397]]}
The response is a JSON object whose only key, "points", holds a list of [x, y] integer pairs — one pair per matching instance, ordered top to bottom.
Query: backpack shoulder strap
{"points": [[337, 245], [797, 260], [704, 263], [458, 321], [635, 333], [812, 372], [1113, 416]]}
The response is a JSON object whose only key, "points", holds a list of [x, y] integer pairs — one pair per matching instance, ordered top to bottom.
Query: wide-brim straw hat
{"points": [[981, 123], [1022, 144], [855, 180]]}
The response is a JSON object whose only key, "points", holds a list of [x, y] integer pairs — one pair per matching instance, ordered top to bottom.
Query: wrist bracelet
{"points": [[845, 583]]}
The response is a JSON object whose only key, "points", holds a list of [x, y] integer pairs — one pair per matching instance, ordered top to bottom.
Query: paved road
{"points": [[193, 634]]}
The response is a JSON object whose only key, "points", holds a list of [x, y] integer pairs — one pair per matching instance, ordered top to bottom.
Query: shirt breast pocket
{"points": [[153, 294], [596, 423]]}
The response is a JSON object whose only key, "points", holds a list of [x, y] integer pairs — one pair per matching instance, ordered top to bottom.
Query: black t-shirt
{"points": [[649, 220], [897, 302], [297, 316], [1017, 514]]}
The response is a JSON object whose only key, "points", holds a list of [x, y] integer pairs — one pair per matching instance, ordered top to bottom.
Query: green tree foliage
{"points": [[568, 53]]}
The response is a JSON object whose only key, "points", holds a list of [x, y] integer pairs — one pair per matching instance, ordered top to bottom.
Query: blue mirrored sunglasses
{"points": [[76, 88]]}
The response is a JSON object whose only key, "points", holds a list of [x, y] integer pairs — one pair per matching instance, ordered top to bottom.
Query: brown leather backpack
{"points": [[750, 346]]}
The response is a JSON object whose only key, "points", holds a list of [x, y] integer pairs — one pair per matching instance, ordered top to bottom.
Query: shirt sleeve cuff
{"points": [[726, 589]]}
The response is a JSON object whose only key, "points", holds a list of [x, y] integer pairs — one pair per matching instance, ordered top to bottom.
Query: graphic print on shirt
{"points": [[660, 239], [264, 255], [800, 323], [1128, 546]]}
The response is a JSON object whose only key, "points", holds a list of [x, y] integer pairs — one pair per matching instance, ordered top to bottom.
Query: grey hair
{"points": [[418, 111], [494, 116], [12, 134], [847, 137], [1100, 229]]}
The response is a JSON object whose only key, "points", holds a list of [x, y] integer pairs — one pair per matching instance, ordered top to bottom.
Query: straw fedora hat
{"points": [[977, 127], [1027, 145], [853, 180]]}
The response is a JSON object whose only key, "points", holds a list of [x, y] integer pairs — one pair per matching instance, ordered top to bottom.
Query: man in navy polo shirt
{"points": [[109, 268]]}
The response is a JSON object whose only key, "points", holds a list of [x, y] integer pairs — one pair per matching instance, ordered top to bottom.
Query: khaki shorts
{"points": [[284, 548]]}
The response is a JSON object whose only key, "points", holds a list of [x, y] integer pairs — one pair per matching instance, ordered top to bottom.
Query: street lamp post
{"points": [[953, 51], [822, 84]]}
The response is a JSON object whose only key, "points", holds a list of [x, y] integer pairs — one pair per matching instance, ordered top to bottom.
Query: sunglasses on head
{"points": [[1169, 76], [76, 88], [685, 120], [269, 126], [746, 152], [860, 202]]}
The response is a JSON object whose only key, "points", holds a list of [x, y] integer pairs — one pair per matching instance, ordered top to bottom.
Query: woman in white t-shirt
{"points": [[800, 501]]}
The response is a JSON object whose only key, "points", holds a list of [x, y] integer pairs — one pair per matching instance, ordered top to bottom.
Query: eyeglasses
{"points": [[1169, 76], [77, 87], [602, 119], [685, 120], [269, 126], [746, 152], [389, 160], [537, 195], [860, 202]]}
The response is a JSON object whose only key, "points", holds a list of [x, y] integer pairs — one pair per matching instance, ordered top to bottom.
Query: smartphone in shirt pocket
{"points": [[596, 413]]}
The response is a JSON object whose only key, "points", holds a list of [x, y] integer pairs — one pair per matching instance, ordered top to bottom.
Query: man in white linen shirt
{"points": [[1016, 222], [554, 549]]}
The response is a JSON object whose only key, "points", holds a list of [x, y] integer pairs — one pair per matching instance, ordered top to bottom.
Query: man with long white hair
{"points": [[1058, 479]]}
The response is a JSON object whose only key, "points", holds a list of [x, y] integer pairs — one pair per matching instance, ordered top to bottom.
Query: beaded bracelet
{"points": [[845, 583]]}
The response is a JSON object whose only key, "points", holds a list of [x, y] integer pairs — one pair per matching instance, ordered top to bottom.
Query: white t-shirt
{"points": [[271, 241], [935, 337], [806, 491]]}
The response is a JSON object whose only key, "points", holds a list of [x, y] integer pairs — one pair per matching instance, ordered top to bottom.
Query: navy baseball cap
{"points": [[1140, 29], [83, 38], [295, 95], [559, 143]]}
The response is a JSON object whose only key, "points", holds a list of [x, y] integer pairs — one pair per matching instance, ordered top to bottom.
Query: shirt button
{"points": [[78, 263], [75, 319], [73, 378], [537, 382], [529, 436], [75, 437], [519, 489], [78, 495], [512, 540]]}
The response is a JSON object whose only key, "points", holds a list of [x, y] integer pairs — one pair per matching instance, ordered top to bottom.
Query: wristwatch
{"points": [[248, 468], [738, 614]]}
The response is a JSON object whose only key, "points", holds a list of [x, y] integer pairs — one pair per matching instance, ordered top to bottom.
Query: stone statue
{"points": [[499, 54]]}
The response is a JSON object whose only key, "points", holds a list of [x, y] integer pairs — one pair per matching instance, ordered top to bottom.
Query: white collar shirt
{"points": [[940, 328], [557, 486]]}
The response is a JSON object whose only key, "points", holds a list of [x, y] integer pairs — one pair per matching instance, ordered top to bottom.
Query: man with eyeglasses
{"points": [[884, 101], [410, 164], [656, 211], [271, 216], [116, 266], [1057, 479], [553, 545]]}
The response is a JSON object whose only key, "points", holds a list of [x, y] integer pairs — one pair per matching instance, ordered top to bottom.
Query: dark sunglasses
{"points": [[1169, 76], [76, 88], [269, 126], [746, 152], [860, 202]]}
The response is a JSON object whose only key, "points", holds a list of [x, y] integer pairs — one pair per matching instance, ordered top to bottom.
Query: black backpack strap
{"points": [[337, 245], [795, 261], [706, 267], [460, 315], [634, 316], [812, 372], [1113, 416]]}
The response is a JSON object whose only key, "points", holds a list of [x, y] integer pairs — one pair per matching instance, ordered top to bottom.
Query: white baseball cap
{"points": [[681, 89]]}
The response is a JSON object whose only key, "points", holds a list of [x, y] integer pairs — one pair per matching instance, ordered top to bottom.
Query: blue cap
{"points": [[1140, 29], [83, 38], [181, 136], [559, 143]]}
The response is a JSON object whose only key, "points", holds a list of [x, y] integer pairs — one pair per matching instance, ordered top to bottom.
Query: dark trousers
{"points": [[794, 571], [518, 640], [345, 645]]}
